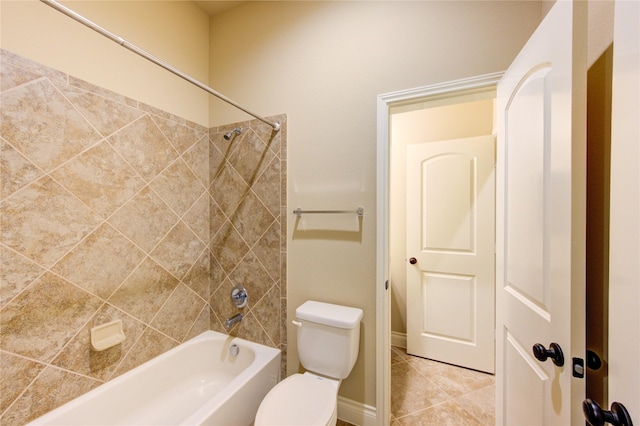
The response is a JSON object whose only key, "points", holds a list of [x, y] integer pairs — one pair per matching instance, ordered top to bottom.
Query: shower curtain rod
{"points": [[135, 49]]}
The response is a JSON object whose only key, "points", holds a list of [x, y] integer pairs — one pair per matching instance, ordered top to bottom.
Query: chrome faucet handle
{"points": [[239, 296]]}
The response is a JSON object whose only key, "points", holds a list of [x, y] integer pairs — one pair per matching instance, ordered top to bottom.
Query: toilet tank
{"points": [[328, 338]]}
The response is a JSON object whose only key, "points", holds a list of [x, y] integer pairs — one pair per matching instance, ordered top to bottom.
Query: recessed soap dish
{"points": [[107, 335]]}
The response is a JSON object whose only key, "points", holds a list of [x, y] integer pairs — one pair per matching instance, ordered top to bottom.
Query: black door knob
{"points": [[413, 260], [554, 352], [593, 360], [596, 416]]}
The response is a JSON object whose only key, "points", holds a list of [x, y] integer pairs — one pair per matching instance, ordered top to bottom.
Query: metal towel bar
{"points": [[359, 211]]}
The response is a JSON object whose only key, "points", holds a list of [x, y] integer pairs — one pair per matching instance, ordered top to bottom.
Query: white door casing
{"points": [[384, 104], [540, 212], [450, 234], [624, 268]]}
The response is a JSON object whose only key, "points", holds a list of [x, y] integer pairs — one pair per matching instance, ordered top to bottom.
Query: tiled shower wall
{"points": [[111, 209]]}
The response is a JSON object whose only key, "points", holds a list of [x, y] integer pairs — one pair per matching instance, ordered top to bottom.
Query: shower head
{"points": [[230, 133]]}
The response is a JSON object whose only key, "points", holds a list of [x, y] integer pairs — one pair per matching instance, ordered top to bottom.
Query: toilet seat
{"points": [[300, 399]]}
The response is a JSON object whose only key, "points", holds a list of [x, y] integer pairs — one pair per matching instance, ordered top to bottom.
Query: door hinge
{"points": [[386, 285]]}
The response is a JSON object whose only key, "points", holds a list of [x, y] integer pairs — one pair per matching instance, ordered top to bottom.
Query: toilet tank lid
{"points": [[329, 314]]}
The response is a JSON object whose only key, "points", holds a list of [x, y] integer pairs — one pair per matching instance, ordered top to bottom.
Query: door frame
{"points": [[383, 310]]}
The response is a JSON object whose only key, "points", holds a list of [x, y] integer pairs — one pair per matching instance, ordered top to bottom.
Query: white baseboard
{"points": [[398, 339], [356, 413]]}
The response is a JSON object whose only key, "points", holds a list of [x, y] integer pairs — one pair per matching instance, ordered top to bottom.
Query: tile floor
{"points": [[425, 392]]}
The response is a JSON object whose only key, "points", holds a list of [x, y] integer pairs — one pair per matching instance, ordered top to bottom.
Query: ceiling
{"points": [[213, 7]]}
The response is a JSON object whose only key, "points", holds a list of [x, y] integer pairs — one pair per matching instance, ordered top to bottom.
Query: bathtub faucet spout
{"points": [[232, 321]]}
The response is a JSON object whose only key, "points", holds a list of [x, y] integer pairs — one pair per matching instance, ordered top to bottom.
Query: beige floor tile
{"points": [[399, 355], [454, 380], [411, 391], [427, 392], [480, 404], [449, 413]]}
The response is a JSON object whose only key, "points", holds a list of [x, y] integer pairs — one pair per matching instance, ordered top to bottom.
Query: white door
{"points": [[540, 239], [450, 243], [624, 266]]}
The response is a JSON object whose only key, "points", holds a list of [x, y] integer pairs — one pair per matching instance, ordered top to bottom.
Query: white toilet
{"points": [[328, 342]]}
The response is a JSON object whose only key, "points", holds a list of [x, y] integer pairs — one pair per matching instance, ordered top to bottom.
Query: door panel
{"points": [[527, 214], [540, 222], [441, 232], [450, 232], [445, 296], [530, 381]]}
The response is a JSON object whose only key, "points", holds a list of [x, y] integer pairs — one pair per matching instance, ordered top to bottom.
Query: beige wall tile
{"points": [[12, 76], [106, 115], [35, 117], [180, 136], [144, 147], [197, 157], [250, 157], [16, 170], [100, 178], [178, 186], [267, 187], [228, 188], [197, 218], [217, 218], [145, 219], [252, 219], [43, 221], [126, 227], [228, 247], [267, 249], [178, 251], [101, 262], [16, 274], [253, 276], [197, 279], [145, 291], [179, 313], [267, 313], [44, 317], [201, 323], [250, 329], [149, 345], [79, 357], [17, 373], [52, 388]]}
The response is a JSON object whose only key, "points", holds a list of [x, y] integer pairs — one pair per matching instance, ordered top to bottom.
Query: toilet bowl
{"points": [[328, 341], [300, 399]]}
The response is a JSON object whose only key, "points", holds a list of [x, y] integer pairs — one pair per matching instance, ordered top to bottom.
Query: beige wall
{"points": [[173, 31], [324, 63], [428, 124]]}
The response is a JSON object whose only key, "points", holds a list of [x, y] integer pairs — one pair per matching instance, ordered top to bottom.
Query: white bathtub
{"points": [[196, 383]]}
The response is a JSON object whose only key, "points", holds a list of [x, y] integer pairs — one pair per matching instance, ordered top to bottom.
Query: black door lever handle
{"points": [[596, 416]]}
